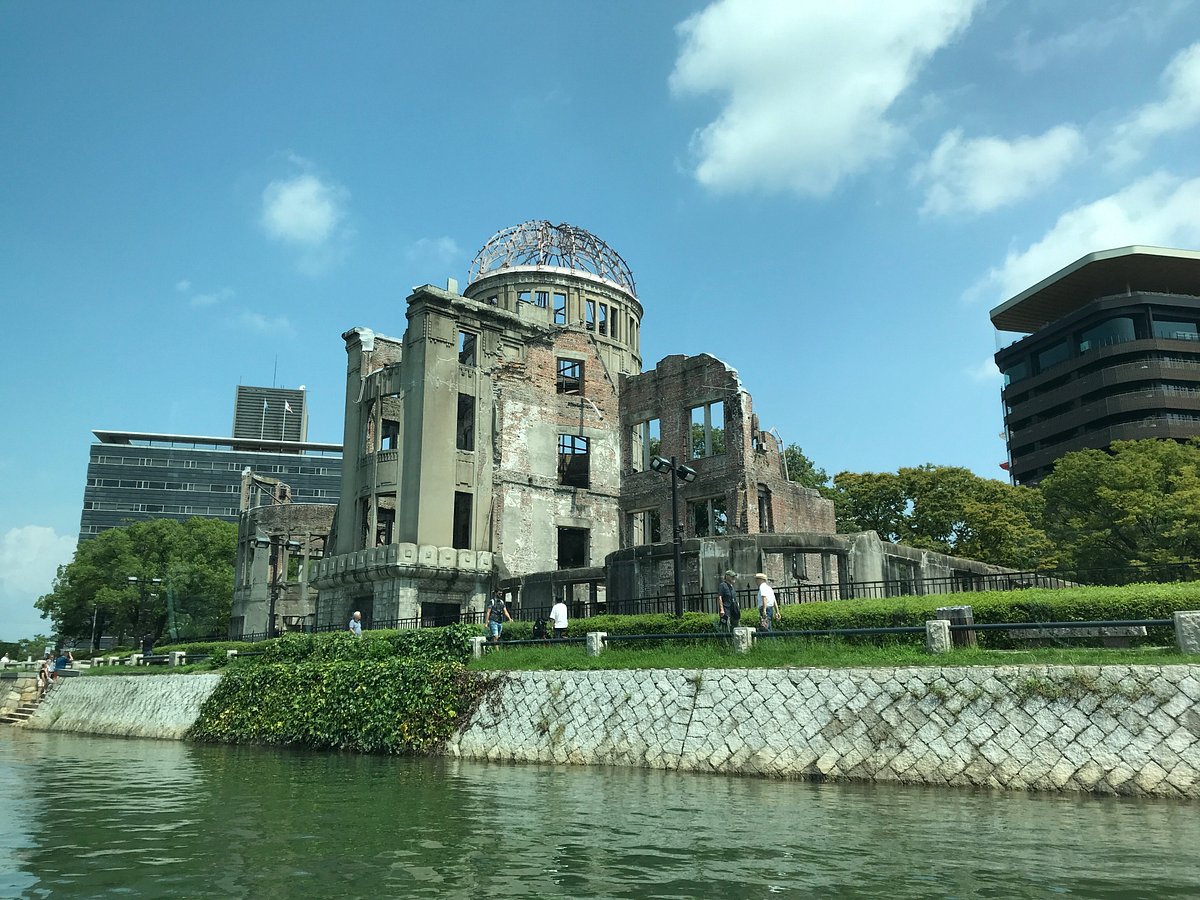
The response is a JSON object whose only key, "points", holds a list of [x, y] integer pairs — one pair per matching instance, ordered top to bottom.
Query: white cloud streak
{"points": [[807, 86], [1179, 109], [983, 174], [1158, 210], [255, 321]]}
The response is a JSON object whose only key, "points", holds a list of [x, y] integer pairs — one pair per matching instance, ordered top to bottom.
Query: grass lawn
{"points": [[808, 652]]}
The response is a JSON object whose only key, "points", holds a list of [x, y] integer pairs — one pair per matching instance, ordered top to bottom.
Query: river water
{"points": [[97, 817]]}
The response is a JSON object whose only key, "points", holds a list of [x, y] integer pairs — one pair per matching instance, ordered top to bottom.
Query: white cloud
{"points": [[1147, 20], [807, 86], [1177, 110], [983, 174], [303, 210], [1159, 210], [440, 251], [183, 286], [211, 298], [276, 325], [984, 371], [29, 560]]}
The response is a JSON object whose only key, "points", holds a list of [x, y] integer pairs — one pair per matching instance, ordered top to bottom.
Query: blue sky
{"points": [[829, 197]]}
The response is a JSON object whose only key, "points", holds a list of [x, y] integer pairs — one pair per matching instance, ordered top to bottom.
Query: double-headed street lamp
{"points": [[677, 473]]}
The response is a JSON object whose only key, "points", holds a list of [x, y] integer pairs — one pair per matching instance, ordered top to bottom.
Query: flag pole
{"points": [[262, 429], [283, 429]]}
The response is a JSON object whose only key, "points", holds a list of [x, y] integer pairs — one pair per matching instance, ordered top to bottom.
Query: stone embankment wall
{"points": [[15, 690], [156, 706], [1111, 729]]}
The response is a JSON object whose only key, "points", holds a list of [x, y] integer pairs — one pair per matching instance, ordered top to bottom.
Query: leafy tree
{"points": [[803, 470], [1137, 503], [948, 509], [194, 559]]}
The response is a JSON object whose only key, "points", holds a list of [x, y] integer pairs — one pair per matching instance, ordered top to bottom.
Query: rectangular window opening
{"points": [[542, 299], [560, 309], [589, 319], [603, 321], [467, 341], [570, 376], [465, 430], [708, 430], [390, 435], [573, 460], [708, 517], [645, 527], [461, 533], [572, 548]]}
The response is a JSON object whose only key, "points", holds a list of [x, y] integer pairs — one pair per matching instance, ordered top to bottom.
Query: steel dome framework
{"points": [[538, 243]]}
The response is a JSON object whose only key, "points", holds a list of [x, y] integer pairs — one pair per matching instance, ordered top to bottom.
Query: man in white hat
{"points": [[768, 608]]}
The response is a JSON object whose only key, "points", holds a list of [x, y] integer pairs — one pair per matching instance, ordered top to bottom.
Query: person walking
{"points": [[768, 607], [558, 614], [495, 615], [730, 615], [355, 625]]}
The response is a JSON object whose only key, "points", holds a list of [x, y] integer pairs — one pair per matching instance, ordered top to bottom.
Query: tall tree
{"points": [[803, 470], [1137, 503], [948, 509], [193, 561]]}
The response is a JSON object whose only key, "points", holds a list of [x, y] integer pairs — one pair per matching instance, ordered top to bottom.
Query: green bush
{"points": [[449, 644], [387, 706]]}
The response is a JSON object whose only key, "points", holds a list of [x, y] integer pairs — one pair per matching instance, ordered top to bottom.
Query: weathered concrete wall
{"points": [[156, 706], [1112, 729]]}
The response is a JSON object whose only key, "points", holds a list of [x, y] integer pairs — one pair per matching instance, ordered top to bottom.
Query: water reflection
{"points": [[88, 817]]}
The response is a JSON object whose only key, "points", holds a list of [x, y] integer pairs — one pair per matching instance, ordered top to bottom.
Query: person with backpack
{"points": [[728, 612], [495, 615]]}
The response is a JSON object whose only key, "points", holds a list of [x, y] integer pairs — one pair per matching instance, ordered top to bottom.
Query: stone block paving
{"points": [[1114, 729]]}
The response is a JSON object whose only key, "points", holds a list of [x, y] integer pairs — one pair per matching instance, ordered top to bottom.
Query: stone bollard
{"points": [[1187, 631], [937, 635], [743, 639], [595, 642], [477, 647], [230, 654], [178, 658], [135, 659], [114, 660], [97, 661]]}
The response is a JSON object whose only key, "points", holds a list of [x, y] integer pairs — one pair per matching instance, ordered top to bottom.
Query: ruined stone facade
{"points": [[507, 433], [278, 543]]}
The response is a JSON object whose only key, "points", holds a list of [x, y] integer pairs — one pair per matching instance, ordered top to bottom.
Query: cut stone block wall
{"points": [[156, 706], [1112, 729]]}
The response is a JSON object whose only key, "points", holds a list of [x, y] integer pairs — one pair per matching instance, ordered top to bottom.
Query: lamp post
{"points": [[677, 473]]}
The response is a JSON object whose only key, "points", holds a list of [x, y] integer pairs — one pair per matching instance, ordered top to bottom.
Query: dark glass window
{"points": [[1112, 331], [1176, 331], [1053, 355]]}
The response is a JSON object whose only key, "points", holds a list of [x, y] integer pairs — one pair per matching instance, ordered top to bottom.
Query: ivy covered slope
{"points": [[389, 692]]}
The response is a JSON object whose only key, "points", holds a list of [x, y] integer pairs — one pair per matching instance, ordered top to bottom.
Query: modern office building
{"points": [[1110, 352], [270, 412], [136, 476]]}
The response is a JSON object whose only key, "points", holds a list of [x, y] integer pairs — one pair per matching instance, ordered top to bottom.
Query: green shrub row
{"points": [[1082, 604], [449, 644], [370, 706]]}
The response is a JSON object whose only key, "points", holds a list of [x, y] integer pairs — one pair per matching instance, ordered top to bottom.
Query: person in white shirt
{"points": [[768, 608], [558, 613]]}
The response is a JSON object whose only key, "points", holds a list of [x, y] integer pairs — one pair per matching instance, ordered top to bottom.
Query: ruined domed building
{"points": [[506, 439]]}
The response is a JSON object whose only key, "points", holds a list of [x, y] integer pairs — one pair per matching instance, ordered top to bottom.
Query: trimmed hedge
{"points": [[1081, 604], [451, 643], [370, 706]]}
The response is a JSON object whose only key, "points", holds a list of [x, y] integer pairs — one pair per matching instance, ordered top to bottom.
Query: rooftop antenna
{"points": [[275, 371]]}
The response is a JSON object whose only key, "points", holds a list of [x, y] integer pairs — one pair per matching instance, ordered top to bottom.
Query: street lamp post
{"points": [[677, 473], [274, 585]]}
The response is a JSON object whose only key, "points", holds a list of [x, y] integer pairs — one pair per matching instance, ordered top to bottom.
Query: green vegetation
{"points": [[1139, 503], [947, 509], [194, 559], [829, 653], [370, 706]]}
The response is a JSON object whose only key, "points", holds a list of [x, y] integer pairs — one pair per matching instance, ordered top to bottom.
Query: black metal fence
{"points": [[664, 604]]}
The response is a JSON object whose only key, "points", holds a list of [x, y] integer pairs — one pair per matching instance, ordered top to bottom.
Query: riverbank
{"points": [[1117, 729]]}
